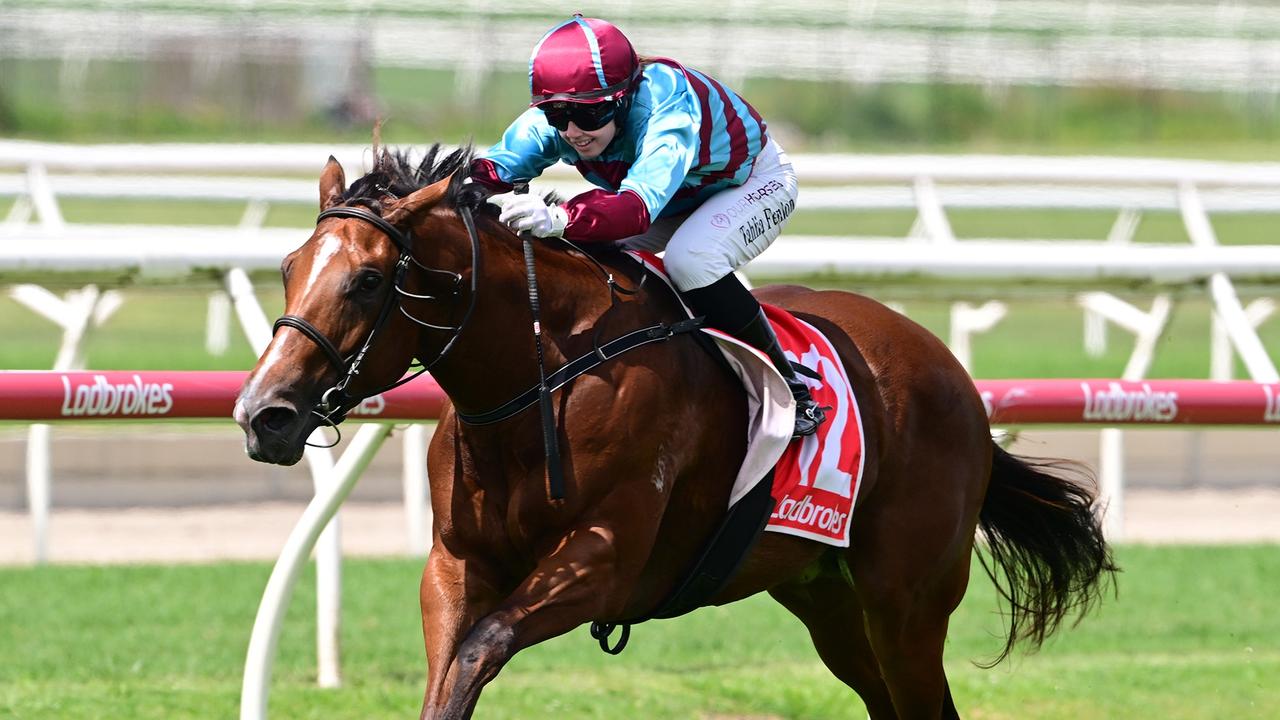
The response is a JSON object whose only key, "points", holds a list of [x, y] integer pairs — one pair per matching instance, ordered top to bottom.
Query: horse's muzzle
{"points": [[273, 431]]}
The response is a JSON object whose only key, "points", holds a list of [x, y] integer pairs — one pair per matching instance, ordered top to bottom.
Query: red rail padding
{"points": [[152, 395], [1119, 402]]}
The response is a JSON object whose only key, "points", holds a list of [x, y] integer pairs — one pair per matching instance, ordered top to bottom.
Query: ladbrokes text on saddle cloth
{"points": [[816, 480]]}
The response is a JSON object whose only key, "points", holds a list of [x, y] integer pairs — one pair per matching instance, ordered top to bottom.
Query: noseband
{"points": [[336, 401]]}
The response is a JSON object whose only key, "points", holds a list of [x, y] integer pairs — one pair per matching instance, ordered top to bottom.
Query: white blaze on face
{"points": [[330, 244], [254, 387]]}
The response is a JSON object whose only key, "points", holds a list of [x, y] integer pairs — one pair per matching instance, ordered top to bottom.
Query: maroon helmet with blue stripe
{"points": [[582, 60]]}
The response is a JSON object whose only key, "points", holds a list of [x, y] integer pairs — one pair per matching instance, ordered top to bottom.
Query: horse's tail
{"points": [[1041, 531]]}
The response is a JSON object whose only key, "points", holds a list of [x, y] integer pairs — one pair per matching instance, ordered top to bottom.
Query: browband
{"points": [[392, 231]]}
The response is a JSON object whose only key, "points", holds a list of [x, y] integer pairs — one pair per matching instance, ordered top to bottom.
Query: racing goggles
{"points": [[587, 116]]}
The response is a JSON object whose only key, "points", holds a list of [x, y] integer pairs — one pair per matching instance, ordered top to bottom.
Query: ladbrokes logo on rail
{"points": [[102, 397], [1121, 405]]}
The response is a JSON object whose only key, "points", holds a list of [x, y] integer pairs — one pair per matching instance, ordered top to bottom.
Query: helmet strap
{"points": [[624, 102], [624, 108]]}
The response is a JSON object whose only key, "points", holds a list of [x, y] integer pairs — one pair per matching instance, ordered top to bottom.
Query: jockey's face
{"points": [[589, 143]]}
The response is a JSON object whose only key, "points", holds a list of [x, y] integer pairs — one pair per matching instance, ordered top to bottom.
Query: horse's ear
{"points": [[332, 183], [416, 202]]}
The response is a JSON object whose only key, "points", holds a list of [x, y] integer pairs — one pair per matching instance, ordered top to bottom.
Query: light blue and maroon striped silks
{"points": [[685, 138]]}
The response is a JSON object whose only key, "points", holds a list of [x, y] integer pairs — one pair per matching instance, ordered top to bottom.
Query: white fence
{"points": [[37, 174], [35, 237]]}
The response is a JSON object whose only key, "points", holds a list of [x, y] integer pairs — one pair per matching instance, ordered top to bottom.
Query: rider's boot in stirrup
{"points": [[759, 333]]}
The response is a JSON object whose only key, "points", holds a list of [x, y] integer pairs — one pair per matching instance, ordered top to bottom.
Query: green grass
{"points": [[155, 329], [1192, 634]]}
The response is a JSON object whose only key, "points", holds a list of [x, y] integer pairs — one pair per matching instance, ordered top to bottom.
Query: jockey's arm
{"points": [[528, 147], [666, 153]]}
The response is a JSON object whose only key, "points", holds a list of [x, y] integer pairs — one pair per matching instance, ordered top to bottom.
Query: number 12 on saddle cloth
{"points": [[815, 479]]}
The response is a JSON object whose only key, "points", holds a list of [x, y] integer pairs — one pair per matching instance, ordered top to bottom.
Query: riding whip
{"points": [[550, 443]]}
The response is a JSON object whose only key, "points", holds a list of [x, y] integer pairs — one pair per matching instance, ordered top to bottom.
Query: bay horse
{"points": [[410, 263]]}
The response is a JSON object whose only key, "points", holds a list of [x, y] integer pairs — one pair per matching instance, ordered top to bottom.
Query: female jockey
{"points": [[684, 165]]}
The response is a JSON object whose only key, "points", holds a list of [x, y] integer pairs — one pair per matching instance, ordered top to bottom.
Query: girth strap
{"points": [[573, 369], [721, 557]]}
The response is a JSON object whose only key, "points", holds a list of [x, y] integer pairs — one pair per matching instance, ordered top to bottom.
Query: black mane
{"points": [[395, 176]]}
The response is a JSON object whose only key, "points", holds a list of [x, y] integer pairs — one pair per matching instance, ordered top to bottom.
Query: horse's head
{"points": [[344, 335]]}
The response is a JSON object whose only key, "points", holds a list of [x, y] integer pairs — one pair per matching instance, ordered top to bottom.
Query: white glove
{"points": [[528, 212]]}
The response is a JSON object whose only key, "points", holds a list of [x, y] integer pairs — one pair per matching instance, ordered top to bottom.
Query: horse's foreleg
{"points": [[567, 588], [454, 595]]}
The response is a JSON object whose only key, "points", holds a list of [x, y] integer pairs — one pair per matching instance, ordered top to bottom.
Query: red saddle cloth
{"points": [[815, 479]]}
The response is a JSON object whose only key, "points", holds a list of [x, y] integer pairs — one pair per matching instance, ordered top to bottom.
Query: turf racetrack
{"points": [[1193, 633]]}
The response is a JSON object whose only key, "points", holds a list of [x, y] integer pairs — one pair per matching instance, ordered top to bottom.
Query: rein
{"points": [[582, 365]]}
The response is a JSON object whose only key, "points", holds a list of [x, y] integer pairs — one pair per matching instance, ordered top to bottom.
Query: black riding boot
{"points": [[730, 307], [759, 333]]}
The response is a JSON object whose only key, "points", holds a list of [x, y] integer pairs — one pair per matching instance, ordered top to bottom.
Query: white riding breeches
{"points": [[728, 230]]}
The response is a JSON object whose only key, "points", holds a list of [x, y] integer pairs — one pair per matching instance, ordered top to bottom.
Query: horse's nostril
{"points": [[273, 420]]}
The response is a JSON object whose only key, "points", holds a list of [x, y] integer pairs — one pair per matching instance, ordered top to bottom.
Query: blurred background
{"points": [[1197, 78], [1083, 128]]}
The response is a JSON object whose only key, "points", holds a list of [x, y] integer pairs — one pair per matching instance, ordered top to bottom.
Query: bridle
{"points": [[336, 402]]}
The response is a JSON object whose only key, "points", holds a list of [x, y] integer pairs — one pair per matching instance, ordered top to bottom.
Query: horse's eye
{"points": [[370, 282]]}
